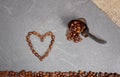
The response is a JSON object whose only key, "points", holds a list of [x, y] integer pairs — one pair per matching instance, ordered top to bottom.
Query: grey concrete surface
{"points": [[18, 17]]}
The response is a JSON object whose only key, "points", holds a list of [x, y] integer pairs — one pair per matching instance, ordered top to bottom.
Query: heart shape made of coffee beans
{"points": [[41, 37]]}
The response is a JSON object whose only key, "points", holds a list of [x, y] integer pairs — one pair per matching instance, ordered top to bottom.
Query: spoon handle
{"points": [[99, 40]]}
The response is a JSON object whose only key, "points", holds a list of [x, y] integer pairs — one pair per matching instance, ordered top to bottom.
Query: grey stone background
{"points": [[18, 17]]}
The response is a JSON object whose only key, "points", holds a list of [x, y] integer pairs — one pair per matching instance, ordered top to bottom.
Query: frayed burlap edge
{"points": [[111, 8]]}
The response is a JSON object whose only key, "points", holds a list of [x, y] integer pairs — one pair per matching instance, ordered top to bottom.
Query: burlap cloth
{"points": [[111, 8]]}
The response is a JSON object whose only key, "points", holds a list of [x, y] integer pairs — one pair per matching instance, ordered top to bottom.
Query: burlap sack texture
{"points": [[111, 8]]}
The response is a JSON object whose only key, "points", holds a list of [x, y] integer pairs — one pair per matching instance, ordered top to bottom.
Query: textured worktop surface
{"points": [[18, 17]]}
